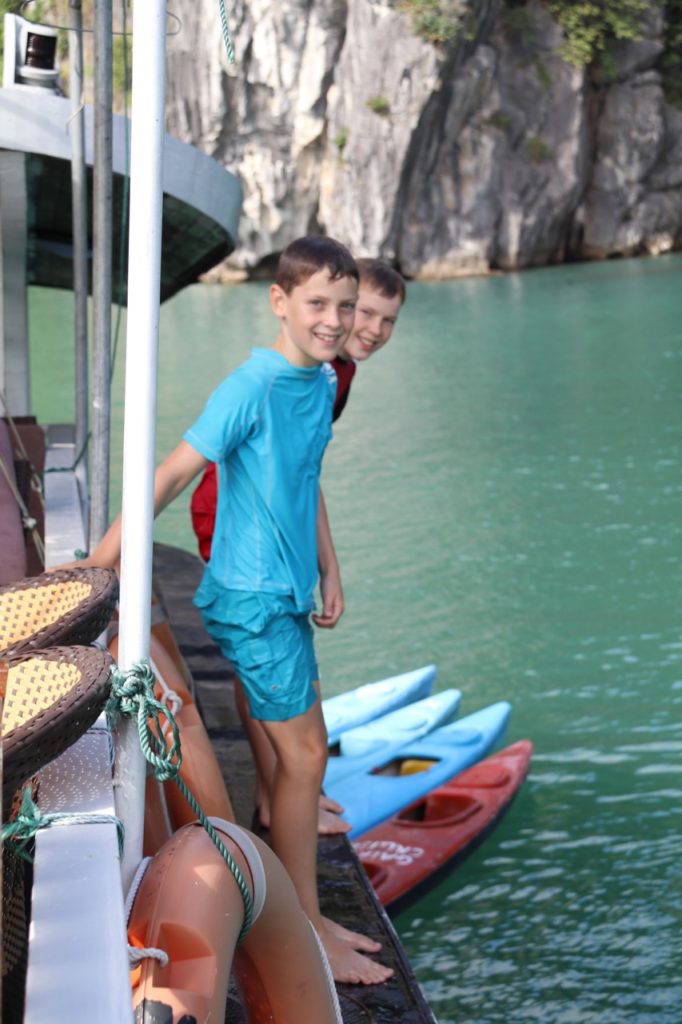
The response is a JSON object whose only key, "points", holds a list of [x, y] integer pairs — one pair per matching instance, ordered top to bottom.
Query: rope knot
{"points": [[132, 695], [29, 820], [21, 830]]}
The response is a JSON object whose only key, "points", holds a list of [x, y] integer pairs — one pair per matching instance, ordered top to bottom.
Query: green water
{"points": [[505, 495]]}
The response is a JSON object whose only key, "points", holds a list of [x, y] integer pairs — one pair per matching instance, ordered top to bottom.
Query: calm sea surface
{"points": [[506, 499]]}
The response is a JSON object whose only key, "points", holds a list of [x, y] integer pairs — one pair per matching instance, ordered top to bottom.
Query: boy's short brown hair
{"points": [[310, 254], [381, 278]]}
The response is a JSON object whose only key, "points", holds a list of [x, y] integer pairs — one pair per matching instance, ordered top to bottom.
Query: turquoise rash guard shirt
{"points": [[266, 427]]}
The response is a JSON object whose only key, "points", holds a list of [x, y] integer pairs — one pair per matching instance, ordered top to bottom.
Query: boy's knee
{"points": [[309, 759]]}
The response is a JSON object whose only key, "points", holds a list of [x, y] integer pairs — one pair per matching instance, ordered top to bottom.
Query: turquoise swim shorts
{"points": [[270, 644]]}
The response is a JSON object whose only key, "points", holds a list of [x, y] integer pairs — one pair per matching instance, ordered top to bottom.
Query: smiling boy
{"points": [[381, 294], [266, 427]]}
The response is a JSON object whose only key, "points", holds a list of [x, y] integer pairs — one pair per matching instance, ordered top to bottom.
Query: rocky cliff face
{"points": [[488, 152]]}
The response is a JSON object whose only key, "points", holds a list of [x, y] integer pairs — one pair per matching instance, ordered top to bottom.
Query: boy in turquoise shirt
{"points": [[267, 427]]}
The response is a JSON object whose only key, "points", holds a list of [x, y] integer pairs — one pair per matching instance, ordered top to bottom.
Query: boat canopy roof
{"points": [[201, 200]]}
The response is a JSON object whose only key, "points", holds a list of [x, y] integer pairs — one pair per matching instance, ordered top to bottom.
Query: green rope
{"points": [[226, 34], [74, 464], [132, 695], [29, 821]]}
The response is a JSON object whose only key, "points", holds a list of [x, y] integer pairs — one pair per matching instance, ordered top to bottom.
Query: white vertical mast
{"points": [[79, 202], [101, 274], [144, 275]]}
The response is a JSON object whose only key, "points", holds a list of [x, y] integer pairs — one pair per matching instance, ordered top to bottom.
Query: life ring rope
{"points": [[132, 695], [169, 697], [136, 954]]}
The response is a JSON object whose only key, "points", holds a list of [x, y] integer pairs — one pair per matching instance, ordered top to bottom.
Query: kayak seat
{"points": [[413, 765], [404, 766], [439, 809]]}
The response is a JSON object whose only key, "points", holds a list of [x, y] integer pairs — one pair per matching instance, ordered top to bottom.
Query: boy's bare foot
{"points": [[327, 804], [328, 823], [355, 940], [348, 965]]}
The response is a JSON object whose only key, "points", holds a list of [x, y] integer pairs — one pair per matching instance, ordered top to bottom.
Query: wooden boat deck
{"points": [[345, 893]]}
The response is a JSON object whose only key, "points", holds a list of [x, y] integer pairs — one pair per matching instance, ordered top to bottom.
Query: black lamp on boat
{"points": [[30, 54]]}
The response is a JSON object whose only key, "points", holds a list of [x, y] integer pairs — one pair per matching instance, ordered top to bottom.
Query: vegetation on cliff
{"points": [[590, 28], [671, 61]]}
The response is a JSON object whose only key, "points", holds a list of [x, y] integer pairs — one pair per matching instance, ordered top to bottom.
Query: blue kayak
{"points": [[348, 710], [404, 725], [377, 741], [378, 790]]}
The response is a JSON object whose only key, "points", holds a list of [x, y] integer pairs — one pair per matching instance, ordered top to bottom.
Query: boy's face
{"points": [[315, 318], [375, 318]]}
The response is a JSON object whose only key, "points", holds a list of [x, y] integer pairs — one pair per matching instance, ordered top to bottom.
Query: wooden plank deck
{"points": [[345, 893]]}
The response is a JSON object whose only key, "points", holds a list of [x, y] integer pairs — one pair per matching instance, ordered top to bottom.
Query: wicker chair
{"points": [[69, 606], [51, 697]]}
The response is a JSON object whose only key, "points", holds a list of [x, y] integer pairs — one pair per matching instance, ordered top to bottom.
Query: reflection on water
{"points": [[505, 495]]}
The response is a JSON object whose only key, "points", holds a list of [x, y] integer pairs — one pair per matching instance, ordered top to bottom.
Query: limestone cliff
{"points": [[487, 152]]}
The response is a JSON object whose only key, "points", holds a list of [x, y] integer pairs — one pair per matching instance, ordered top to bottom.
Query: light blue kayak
{"points": [[348, 710], [395, 729], [378, 740], [369, 796]]}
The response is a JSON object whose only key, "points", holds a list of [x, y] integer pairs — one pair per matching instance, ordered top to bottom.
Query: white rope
{"points": [[172, 700], [134, 886], [136, 955], [330, 976]]}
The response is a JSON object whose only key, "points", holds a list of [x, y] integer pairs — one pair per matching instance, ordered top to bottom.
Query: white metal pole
{"points": [[79, 202], [101, 275], [144, 275]]}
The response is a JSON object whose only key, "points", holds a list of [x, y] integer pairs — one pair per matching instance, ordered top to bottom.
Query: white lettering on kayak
{"points": [[385, 850]]}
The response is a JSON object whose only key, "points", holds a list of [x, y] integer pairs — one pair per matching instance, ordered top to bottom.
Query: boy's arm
{"points": [[171, 477], [330, 577]]}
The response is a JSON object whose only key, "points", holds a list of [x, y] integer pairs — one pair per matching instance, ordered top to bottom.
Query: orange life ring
{"points": [[164, 634], [157, 824], [189, 906]]}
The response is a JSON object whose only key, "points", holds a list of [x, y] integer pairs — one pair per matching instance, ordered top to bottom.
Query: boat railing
{"points": [[77, 958]]}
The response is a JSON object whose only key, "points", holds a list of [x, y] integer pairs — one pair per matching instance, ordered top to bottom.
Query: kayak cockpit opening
{"points": [[405, 766], [440, 809]]}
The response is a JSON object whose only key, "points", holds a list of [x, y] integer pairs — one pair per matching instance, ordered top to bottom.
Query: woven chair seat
{"points": [[70, 606], [51, 698]]}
